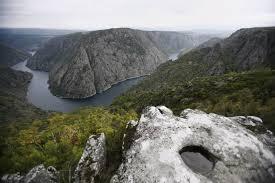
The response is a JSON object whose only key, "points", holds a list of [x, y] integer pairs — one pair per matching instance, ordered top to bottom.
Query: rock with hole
{"points": [[196, 147]]}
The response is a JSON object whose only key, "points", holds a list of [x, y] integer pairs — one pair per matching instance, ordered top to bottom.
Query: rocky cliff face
{"points": [[246, 49], [10, 56], [99, 59], [83, 64], [192, 147], [196, 147], [92, 161]]}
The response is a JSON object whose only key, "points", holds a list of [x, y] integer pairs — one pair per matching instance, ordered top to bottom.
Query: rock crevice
{"points": [[196, 147]]}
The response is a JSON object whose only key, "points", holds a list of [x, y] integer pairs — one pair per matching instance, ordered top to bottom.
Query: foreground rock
{"points": [[196, 147], [92, 161], [38, 174]]}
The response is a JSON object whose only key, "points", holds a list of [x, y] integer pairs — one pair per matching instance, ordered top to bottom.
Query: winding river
{"points": [[40, 95]]}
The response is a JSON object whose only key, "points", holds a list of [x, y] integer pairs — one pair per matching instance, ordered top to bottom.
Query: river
{"points": [[40, 95]]}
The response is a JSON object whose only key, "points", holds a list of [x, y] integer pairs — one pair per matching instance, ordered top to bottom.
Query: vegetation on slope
{"points": [[246, 49], [11, 56], [185, 83], [13, 91], [233, 94], [59, 141]]}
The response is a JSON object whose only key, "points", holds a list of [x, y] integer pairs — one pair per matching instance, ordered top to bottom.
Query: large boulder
{"points": [[196, 147], [92, 161], [38, 174]]}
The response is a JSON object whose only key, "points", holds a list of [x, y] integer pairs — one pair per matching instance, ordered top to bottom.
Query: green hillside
{"points": [[233, 94]]}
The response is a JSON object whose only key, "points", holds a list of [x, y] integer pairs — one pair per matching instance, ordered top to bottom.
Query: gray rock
{"points": [[246, 49], [82, 65], [248, 121], [127, 137], [196, 147], [92, 161], [38, 174], [12, 178]]}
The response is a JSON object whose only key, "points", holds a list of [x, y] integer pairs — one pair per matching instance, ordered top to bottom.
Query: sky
{"points": [[143, 14]]}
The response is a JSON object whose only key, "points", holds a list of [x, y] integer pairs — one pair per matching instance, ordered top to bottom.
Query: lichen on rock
{"points": [[236, 153], [92, 161], [38, 174]]}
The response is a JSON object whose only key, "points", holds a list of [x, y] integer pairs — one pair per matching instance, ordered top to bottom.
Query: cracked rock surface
{"points": [[236, 153], [92, 160], [38, 174]]}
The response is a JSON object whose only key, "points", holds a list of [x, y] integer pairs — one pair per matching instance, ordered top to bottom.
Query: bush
{"points": [[59, 140]]}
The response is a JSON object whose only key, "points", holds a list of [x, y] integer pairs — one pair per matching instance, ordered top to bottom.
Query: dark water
{"points": [[40, 96], [198, 159], [197, 162]]}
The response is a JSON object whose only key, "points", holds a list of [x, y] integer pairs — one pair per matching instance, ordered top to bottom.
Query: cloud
{"points": [[152, 14]]}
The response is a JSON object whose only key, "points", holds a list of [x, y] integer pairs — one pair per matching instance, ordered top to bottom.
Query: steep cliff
{"points": [[83, 64]]}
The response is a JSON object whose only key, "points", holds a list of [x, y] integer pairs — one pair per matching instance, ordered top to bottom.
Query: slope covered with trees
{"points": [[60, 139]]}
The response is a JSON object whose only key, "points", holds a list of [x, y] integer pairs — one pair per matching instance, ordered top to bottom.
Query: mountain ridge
{"points": [[11, 56], [83, 64]]}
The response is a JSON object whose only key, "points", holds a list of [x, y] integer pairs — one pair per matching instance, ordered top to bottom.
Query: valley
{"points": [[99, 88], [40, 96]]}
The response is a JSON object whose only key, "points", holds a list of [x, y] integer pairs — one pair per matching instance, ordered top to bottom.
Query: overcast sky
{"points": [[148, 14]]}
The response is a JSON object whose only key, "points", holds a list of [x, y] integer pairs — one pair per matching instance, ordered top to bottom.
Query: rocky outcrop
{"points": [[245, 49], [11, 56], [83, 64], [196, 147], [92, 161], [38, 174]]}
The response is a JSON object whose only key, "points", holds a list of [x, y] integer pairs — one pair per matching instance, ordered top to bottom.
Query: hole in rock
{"points": [[198, 159]]}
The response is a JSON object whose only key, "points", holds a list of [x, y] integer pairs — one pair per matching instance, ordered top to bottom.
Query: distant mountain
{"points": [[36, 31], [28, 39], [173, 42], [209, 43], [246, 49], [10, 56], [83, 64], [234, 76], [13, 92]]}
